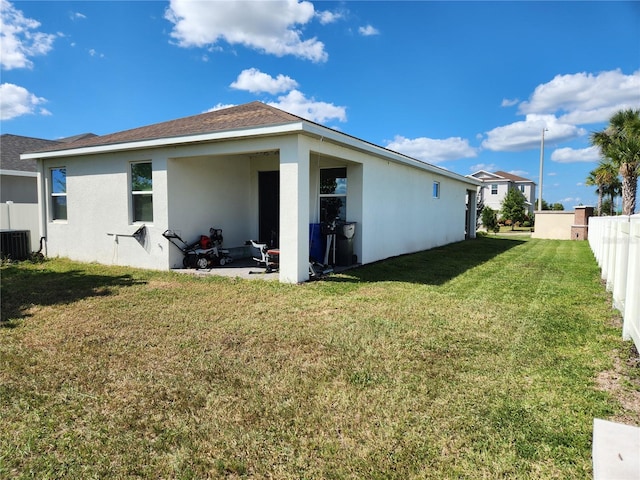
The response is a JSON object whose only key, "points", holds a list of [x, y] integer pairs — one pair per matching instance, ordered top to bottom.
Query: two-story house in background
{"points": [[496, 185]]}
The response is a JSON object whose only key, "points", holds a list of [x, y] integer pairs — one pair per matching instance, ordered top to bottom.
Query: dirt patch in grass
{"points": [[623, 383]]}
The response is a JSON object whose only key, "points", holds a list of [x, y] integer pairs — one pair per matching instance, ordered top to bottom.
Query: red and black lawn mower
{"points": [[207, 252]]}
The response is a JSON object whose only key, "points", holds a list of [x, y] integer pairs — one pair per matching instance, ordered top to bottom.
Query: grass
{"points": [[474, 360]]}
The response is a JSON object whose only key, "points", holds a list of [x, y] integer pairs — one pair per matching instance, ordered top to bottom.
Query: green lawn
{"points": [[474, 360]]}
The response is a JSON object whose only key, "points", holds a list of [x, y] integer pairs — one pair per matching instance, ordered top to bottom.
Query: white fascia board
{"points": [[269, 130], [169, 141], [370, 148], [18, 173], [489, 174]]}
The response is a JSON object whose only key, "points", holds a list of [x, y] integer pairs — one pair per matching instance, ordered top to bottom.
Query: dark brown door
{"points": [[269, 207]]}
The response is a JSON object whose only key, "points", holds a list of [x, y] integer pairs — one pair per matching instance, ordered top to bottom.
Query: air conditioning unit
{"points": [[15, 244]]}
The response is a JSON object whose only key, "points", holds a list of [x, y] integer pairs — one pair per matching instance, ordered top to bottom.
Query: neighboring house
{"points": [[254, 171], [18, 177], [18, 182], [496, 185], [19, 195]]}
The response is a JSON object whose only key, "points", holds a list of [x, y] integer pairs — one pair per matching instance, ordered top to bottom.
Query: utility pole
{"points": [[541, 164]]}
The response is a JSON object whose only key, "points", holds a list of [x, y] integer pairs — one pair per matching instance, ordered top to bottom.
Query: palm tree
{"points": [[620, 143], [605, 178], [594, 179], [614, 189]]}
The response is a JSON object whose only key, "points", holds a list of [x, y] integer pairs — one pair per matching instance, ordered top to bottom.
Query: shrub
{"points": [[489, 219]]}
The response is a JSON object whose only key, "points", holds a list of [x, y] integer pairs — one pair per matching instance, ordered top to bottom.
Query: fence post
{"points": [[606, 250], [613, 250], [622, 259], [631, 314]]}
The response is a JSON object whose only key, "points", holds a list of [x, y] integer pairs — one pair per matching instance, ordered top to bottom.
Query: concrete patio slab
{"points": [[616, 451]]}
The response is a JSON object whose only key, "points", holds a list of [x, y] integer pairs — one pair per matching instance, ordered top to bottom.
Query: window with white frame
{"points": [[521, 188], [436, 189], [494, 189], [141, 192], [59, 193], [333, 194]]}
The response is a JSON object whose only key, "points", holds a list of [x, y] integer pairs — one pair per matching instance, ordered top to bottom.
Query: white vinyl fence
{"points": [[21, 216], [615, 242]]}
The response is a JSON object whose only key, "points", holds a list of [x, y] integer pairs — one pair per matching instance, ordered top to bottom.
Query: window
{"points": [[521, 188], [436, 189], [494, 189], [142, 192], [59, 193], [333, 194]]}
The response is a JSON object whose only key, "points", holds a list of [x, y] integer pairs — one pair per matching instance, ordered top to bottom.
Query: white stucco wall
{"points": [[206, 192], [99, 204], [394, 207], [401, 215]]}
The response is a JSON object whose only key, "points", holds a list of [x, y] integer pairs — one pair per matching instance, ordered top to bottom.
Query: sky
{"points": [[466, 86]]}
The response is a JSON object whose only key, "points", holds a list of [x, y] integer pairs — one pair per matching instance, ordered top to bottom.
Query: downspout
{"points": [[42, 203]]}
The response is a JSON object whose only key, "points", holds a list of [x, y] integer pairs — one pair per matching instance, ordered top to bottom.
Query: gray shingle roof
{"points": [[254, 114], [11, 146], [512, 177]]}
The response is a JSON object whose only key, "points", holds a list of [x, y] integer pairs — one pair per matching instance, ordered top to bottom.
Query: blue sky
{"points": [[464, 85]]}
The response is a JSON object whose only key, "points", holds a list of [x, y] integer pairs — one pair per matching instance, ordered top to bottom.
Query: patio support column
{"points": [[473, 207], [294, 210]]}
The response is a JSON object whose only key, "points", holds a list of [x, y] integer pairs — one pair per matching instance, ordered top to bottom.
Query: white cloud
{"points": [[78, 16], [327, 17], [270, 27], [368, 31], [19, 39], [94, 53], [255, 81], [585, 98], [16, 101], [295, 102], [508, 102], [220, 106], [525, 135], [433, 150], [570, 155], [520, 173], [552, 174]]}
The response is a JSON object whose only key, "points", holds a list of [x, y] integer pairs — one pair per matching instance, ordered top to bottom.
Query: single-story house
{"points": [[252, 170], [495, 186]]}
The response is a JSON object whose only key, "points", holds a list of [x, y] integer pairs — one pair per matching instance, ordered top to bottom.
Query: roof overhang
{"points": [[302, 127], [168, 141], [18, 173]]}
